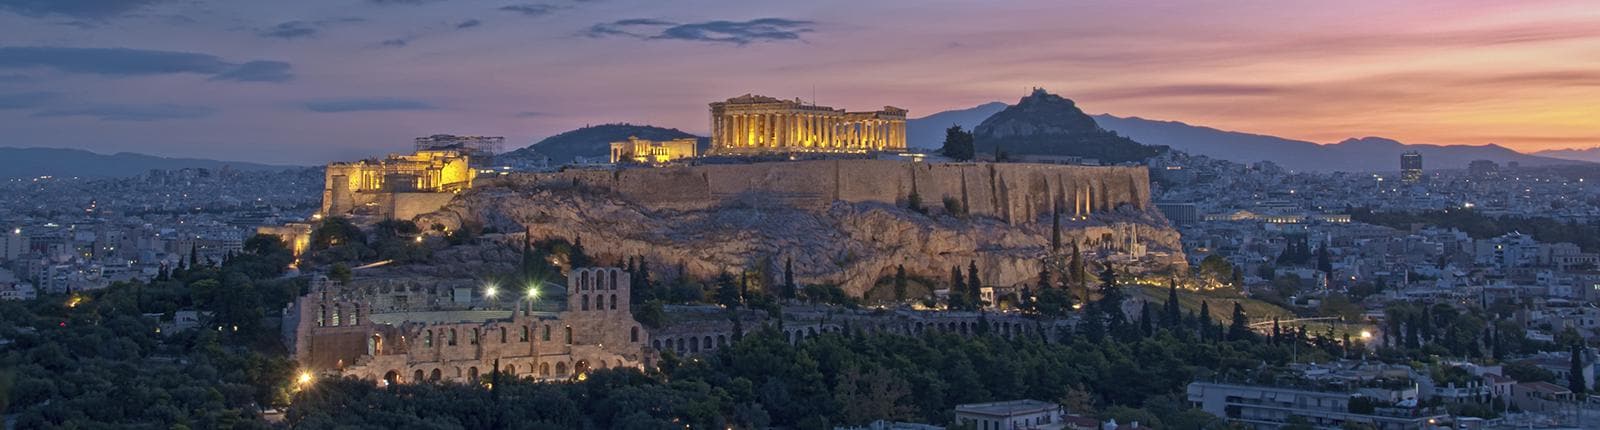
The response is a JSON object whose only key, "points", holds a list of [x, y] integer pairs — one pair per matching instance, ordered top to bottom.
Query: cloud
{"points": [[82, 9], [531, 9], [468, 24], [298, 29], [289, 30], [735, 32], [397, 43], [123, 62], [257, 71], [26, 100], [368, 105], [137, 113], [531, 114]]}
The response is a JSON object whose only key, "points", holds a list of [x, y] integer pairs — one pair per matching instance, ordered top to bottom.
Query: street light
{"points": [[490, 291], [533, 291], [305, 378]]}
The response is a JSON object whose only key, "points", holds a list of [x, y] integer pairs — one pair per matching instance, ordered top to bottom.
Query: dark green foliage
{"points": [[958, 144], [1482, 226], [900, 283], [1239, 329], [1575, 380]]}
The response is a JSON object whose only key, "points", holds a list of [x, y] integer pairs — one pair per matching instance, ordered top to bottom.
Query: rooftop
{"points": [[1007, 408]]}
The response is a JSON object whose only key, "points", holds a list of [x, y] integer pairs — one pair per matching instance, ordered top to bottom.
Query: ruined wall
{"points": [[1014, 192]]}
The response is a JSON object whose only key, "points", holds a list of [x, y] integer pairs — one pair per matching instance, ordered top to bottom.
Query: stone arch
{"points": [[613, 278], [583, 280], [811, 331], [722, 340], [656, 343], [375, 344], [706, 345], [681, 346], [580, 367], [561, 368], [511, 369], [544, 369], [472, 374], [436, 375], [416, 376], [392, 377]]}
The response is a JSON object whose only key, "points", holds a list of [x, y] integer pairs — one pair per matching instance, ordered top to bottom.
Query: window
{"points": [[613, 279], [583, 281], [584, 299], [600, 302], [613, 302], [336, 311], [322, 316], [355, 316], [502, 335], [569, 335], [633, 335], [546, 336], [524, 337], [474, 339], [427, 340], [452, 340], [544, 369]]}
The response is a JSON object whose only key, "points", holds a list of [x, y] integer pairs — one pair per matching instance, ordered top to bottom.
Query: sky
{"points": [[310, 81]]}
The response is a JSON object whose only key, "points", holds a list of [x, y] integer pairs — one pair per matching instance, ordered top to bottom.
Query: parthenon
{"points": [[752, 124]]}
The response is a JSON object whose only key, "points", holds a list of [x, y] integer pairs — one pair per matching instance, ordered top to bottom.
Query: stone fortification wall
{"points": [[1014, 192]]}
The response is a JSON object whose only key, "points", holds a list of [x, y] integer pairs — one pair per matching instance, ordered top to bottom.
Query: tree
{"points": [[958, 144], [1055, 229], [576, 255], [1324, 260], [1076, 267], [340, 272], [788, 278], [1044, 278], [900, 283], [973, 284], [727, 290], [958, 290], [1172, 316], [1205, 320], [1146, 322], [1240, 329], [1575, 379]]}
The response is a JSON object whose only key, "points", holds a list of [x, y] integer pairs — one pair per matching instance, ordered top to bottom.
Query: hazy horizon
{"points": [[301, 82]]}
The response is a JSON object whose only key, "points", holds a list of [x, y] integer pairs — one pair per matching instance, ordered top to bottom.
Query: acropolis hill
{"points": [[841, 221]]}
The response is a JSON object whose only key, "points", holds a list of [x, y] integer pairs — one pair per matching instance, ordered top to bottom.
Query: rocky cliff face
{"points": [[853, 242]]}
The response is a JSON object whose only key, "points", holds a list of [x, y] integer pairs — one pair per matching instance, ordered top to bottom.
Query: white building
{"points": [[1011, 415]]}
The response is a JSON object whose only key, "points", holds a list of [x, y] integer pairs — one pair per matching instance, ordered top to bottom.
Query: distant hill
{"points": [[1048, 124], [928, 131], [595, 141], [1351, 155], [1591, 155], [33, 162]]}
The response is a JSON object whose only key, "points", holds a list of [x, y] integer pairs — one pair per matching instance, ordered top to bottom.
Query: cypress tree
{"points": [[1055, 229], [1076, 268], [788, 278], [1044, 278], [900, 283], [973, 284], [958, 289], [1173, 317], [1205, 320], [1146, 322], [1240, 329], [1277, 332], [1575, 379]]}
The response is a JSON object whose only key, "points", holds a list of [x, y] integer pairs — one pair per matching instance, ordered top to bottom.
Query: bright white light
{"points": [[490, 291]]}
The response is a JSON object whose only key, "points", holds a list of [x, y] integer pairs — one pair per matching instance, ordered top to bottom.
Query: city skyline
{"points": [[304, 83]]}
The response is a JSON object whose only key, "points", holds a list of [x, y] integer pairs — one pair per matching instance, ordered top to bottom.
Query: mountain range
{"points": [[1355, 154], [1591, 155], [35, 162]]}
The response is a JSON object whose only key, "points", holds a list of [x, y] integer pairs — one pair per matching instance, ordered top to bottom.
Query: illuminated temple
{"points": [[752, 124], [399, 186]]}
